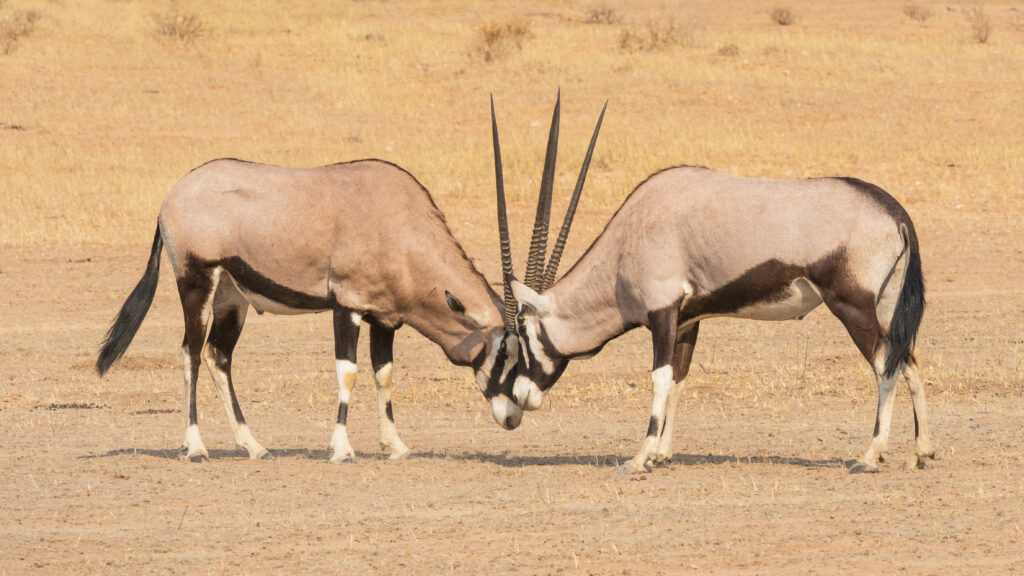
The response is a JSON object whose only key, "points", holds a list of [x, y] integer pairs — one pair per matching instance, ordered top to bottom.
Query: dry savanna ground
{"points": [[105, 104]]}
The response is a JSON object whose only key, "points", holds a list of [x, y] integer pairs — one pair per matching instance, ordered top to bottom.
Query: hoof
{"points": [[259, 454], [400, 455], [197, 456], [342, 458], [662, 461], [919, 461], [631, 468], [862, 468]]}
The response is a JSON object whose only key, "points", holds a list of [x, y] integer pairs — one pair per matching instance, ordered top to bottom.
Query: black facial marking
{"points": [[253, 281], [494, 383], [343, 413], [390, 413]]}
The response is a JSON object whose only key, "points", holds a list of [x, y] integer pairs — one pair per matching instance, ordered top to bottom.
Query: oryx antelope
{"points": [[362, 239], [691, 243]]}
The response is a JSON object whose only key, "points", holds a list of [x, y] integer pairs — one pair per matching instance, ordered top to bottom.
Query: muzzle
{"points": [[506, 413]]}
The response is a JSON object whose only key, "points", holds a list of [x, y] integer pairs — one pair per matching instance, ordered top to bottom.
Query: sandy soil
{"points": [[91, 481]]}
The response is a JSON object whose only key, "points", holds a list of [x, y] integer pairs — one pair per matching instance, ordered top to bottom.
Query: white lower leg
{"points": [[662, 379], [388, 433], [243, 437], [923, 443], [194, 444], [879, 444], [340, 448], [664, 453]]}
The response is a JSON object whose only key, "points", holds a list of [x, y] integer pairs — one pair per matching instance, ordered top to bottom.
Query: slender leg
{"points": [[195, 288], [229, 309], [858, 315], [663, 325], [346, 336], [381, 355], [681, 357], [883, 420], [923, 446]]}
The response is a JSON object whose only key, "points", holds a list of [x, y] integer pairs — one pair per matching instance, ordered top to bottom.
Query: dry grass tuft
{"points": [[918, 12], [604, 15], [782, 16], [981, 26], [16, 27], [180, 27], [657, 36], [498, 39], [730, 50]]}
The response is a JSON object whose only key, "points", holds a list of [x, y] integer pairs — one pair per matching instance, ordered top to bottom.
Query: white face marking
{"points": [[536, 350], [527, 394]]}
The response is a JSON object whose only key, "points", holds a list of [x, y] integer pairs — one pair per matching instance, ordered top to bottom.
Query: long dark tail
{"points": [[132, 312], [906, 318]]}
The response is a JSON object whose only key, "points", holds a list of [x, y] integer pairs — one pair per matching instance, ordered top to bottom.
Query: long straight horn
{"points": [[563, 234], [539, 242], [506, 245]]}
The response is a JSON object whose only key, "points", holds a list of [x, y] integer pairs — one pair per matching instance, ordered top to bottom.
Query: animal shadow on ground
{"points": [[501, 459], [613, 460]]}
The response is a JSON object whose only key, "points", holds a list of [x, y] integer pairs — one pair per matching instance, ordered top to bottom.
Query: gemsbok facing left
{"points": [[362, 239], [691, 243]]}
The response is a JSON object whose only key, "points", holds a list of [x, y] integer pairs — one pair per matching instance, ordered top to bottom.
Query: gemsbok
{"points": [[362, 239], [691, 243]]}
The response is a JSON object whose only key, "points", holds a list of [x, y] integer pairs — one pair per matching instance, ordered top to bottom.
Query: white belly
{"points": [[799, 298], [262, 304]]}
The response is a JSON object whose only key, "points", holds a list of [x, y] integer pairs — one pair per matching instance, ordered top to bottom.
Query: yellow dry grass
{"points": [[102, 113]]}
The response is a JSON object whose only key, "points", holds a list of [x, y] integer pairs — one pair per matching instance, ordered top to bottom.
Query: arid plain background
{"points": [[101, 113]]}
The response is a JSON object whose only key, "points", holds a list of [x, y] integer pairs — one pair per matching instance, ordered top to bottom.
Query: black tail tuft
{"points": [[909, 309], [132, 312]]}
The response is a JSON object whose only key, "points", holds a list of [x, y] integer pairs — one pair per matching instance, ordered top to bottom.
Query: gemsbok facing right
{"points": [[691, 243]]}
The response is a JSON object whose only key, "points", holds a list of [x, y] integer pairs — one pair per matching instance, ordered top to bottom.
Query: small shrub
{"points": [[918, 12], [604, 15], [782, 16], [981, 26], [16, 27], [179, 27], [657, 36], [498, 39]]}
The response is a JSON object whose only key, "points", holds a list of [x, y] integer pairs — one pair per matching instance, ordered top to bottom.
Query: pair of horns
{"points": [[538, 276]]}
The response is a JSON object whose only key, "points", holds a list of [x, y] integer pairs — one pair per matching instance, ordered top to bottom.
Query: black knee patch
{"points": [[389, 411], [343, 413], [652, 427]]}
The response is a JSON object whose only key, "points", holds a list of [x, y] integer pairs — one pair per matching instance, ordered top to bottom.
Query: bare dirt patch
{"points": [[104, 117]]}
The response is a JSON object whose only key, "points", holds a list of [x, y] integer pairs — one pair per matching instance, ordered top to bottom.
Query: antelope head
{"points": [[539, 365]]}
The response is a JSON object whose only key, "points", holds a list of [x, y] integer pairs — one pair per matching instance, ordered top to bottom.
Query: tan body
{"points": [[362, 239], [691, 243]]}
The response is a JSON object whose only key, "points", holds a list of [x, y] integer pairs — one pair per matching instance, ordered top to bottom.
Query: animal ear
{"points": [[529, 300], [460, 309]]}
